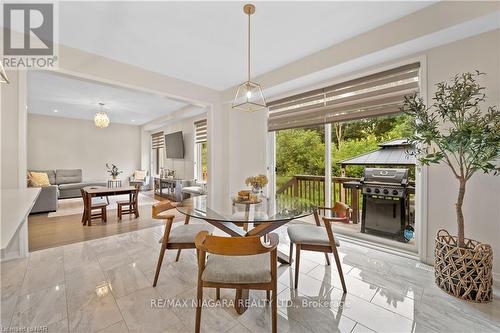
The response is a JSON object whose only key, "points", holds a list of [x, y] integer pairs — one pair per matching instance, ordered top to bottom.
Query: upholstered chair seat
{"points": [[186, 233], [309, 234], [237, 269]]}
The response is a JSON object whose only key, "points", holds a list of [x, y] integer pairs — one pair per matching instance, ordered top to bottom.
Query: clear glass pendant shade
{"points": [[249, 97]]}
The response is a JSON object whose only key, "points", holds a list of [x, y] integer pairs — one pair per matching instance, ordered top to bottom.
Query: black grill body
{"points": [[385, 200]]}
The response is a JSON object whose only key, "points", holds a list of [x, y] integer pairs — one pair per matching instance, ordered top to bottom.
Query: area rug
{"points": [[75, 205]]}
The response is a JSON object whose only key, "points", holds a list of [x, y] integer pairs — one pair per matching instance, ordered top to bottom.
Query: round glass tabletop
{"points": [[230, 210]]}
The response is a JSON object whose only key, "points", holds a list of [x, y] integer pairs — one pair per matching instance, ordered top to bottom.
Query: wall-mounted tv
{"points": [[175, 145]]}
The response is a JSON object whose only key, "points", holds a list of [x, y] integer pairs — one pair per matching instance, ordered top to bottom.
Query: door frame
{"points": [[421, 174]]}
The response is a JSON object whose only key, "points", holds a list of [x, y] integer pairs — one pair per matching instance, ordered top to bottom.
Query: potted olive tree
{"points": [[455, 131]]}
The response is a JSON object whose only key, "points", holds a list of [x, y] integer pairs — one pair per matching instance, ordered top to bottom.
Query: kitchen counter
{"points": [[16, 205]]}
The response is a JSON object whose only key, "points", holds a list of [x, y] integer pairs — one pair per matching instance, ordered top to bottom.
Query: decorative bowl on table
{"points": [[246, 197]]}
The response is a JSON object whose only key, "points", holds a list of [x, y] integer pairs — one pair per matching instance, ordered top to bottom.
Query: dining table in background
{"points": [[101, 191]]}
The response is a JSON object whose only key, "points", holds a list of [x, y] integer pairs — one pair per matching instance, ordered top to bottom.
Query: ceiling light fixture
{"points": [[3, 75], [249, 96], [56, 111], [101, 119]]}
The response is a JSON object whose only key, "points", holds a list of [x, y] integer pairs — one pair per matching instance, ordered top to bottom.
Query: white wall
{"points": [[13, 131], [64, 143], [247, 150], [184, 168], [482, 199]]}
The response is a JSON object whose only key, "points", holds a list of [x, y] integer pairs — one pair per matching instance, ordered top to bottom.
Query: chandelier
{"points": [[249, 96], [101, 119]]}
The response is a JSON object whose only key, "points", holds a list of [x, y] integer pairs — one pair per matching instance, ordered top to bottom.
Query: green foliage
{"points": [[454, 130], [352, 148], [300, 152], [113, 170]]}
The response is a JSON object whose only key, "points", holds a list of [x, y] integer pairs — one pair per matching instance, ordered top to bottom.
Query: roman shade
{"points": [[369, 96], [200, 131], [157, 140]]}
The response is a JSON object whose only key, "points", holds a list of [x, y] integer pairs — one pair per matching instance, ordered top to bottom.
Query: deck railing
{"points": [[312, 188]]}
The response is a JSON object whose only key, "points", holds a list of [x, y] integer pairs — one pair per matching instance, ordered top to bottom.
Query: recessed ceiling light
{"points": [[56, 111], [133, 120]]}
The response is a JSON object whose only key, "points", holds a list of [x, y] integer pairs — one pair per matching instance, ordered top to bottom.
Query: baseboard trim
{"points": [[378, 246]]}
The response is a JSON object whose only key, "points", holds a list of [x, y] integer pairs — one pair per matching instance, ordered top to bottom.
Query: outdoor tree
{"points": [[455, 131]]}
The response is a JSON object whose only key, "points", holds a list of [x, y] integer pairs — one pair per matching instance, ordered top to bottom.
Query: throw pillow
{"points": [[39, 179]]}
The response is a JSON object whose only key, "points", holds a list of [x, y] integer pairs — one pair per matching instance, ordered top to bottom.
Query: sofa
{"points": [[64, 184]]}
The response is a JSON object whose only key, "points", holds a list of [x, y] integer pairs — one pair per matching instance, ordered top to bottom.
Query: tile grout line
{"points": [[65, 288], [19, 296], [113, 296]]}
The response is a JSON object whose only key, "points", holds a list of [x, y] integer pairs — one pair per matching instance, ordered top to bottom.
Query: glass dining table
{"points": [[247, 218]]}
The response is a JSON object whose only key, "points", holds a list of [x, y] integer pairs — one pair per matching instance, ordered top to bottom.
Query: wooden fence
{"points": [[312, 188]]}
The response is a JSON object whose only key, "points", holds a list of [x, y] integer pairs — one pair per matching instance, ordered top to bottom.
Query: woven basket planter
{"points": [[465, 273]]}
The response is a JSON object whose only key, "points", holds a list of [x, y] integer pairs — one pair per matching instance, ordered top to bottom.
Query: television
{"points": [[175, 145]]}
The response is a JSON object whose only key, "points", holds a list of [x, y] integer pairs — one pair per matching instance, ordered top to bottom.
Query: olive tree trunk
{"points": [[460, 214]]}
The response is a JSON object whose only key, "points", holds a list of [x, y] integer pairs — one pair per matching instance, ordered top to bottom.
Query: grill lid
{"points": [[385, 176]]}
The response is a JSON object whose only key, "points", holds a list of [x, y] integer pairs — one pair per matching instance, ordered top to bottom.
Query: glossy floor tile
{"points": [[105, 285]]}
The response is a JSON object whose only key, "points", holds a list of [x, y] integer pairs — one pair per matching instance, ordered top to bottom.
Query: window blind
{"points": [[369, 96], [200, 131], [157, 140]]}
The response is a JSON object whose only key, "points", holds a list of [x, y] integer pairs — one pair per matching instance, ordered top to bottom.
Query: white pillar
{"points": [[328, 165]]}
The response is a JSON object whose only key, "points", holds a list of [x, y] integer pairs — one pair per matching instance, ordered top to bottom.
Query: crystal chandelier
{"points": [[249, 96], [101, 119]]}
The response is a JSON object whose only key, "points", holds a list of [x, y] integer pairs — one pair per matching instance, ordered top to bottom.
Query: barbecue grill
{"points": [[385, 201]]}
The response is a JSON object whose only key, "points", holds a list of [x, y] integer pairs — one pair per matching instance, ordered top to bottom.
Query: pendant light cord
{"points": [[249, 46]]}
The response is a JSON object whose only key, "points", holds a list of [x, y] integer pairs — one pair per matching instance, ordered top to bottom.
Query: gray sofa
{"points": [[64, 183]]}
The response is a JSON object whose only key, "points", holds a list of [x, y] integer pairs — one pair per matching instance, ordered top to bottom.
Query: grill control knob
{"points": [[368, 189], [377, 190], [386, 191], [395, 192]]}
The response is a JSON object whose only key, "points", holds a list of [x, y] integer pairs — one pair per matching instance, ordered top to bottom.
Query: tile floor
{"points": [[104, 285]]}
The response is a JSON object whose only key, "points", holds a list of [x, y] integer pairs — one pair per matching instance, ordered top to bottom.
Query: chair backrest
{"points": [[140, 174], [84, 195], [160, 207], [341, 209], [235, 246]]}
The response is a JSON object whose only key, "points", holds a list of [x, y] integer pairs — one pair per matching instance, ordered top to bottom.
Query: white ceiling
{"points": [[205, 42], [76, 98]]}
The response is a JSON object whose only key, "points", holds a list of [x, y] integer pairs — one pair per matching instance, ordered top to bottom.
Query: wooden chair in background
{"points": [[96, 204], [130, 206], [181, 237], [319, 238], [237, 263]]}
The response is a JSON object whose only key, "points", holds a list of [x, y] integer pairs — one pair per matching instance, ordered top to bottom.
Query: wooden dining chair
{"points": [[97, 204], [129, 206], [181, 237], [318, 238], [237, 263]]}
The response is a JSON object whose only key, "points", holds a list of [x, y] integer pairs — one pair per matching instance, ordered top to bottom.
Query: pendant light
{"points": [[3, 75], [249, 96], [101, 119]]}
